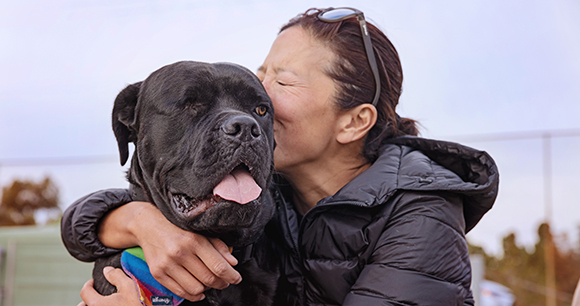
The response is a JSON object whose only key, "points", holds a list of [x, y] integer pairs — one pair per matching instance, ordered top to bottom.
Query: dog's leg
{"points": [[101, 284]]}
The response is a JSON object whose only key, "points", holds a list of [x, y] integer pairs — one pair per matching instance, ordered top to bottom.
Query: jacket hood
{"points": [[419, 164]]}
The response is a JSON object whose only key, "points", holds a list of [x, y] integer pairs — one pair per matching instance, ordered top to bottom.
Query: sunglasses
{"points": [[343, 13]]}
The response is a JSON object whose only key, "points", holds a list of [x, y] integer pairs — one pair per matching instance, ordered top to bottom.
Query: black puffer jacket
{"points": [[394, 235]]}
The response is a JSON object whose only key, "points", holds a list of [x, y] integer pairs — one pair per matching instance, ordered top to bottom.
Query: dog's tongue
{"points": [[238, 186]]}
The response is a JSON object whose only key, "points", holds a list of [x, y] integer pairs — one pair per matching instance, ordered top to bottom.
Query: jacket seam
{"points": [[400, 159], [461, 234], [413, 270], [458, 285], [374, 294]]}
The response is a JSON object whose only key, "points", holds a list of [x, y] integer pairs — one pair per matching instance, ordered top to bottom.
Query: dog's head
{"points": [[203, 147]]}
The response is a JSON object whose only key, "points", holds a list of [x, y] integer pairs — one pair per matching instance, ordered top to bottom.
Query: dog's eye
{"points": [[261, 110]]}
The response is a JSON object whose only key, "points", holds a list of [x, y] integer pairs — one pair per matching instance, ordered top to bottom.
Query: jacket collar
{"points": [[419, 164]]}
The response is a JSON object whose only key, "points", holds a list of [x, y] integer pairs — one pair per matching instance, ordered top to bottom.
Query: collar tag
{"points": [[161, 300]]}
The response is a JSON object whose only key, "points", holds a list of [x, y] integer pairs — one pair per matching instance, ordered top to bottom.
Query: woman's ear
{"points": [[355, 123]]}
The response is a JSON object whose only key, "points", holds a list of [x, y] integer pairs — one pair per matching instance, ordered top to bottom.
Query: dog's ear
{"points": [[124, 119]]}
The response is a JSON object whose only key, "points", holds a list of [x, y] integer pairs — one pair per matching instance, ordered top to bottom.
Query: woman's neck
{"points": [[312, 183]]}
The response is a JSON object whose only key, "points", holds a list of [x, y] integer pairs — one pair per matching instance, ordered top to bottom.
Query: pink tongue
{"points": [[238, 186]]}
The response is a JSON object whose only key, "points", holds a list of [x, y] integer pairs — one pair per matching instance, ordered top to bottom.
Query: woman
{"points": [[365, 214]]}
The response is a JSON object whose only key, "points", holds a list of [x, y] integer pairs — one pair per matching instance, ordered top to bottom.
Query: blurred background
{"points": [[500, 76]]}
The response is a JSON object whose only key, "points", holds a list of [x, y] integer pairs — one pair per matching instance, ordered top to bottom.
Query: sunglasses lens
{"points": [[337, 14]]}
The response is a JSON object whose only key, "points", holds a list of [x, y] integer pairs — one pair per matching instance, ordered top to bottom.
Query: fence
{"points": [[36, 269]]}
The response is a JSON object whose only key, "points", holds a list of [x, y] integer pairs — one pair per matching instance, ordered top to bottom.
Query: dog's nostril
{"points": [[242, 127], [231, 128], [256, 130]]}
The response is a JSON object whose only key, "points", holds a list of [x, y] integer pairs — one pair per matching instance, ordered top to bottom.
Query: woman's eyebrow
{"points": [[263, 69]]}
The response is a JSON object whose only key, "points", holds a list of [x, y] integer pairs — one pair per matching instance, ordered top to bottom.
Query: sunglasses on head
{"points": [[342, 13]]}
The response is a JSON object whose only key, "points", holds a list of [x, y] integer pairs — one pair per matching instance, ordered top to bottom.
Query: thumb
{"points": [[117, 278]]}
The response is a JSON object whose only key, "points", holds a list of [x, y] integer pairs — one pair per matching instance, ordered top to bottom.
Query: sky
{"points": [[493, 74]]}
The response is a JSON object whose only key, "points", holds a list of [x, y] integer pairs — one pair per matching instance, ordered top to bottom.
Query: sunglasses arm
{"points": [[370, 56]]}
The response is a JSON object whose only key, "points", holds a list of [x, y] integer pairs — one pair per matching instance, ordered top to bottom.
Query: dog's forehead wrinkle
{"points": [[237, 70], [181, 84], [244, 90]]}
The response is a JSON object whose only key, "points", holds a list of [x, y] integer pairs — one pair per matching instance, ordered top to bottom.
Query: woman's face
{"points": [[304, 115]]}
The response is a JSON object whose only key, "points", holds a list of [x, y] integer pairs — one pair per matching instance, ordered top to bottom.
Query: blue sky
{"points": [[471, 68]]}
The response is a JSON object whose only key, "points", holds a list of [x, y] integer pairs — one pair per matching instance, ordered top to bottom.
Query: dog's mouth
{"points": [[237, 186]]}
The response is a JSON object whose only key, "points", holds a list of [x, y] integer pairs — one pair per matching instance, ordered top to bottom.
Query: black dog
{"points": [[203, 155]]}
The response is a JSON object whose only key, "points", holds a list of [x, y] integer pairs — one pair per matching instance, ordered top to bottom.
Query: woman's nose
{"points": [[265, 84]]}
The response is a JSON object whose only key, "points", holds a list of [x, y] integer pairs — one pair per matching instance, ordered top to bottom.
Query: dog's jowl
{"points": [[203, 155]]}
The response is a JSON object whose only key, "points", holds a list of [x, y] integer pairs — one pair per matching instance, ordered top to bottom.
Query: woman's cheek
{"points": [[276, 130]]}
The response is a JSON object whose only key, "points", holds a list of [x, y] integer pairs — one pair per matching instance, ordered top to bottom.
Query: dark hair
{"points": [[352, 73]]}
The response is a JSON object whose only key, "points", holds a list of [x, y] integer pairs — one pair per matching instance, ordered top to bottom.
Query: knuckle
{"points": [[195, 238], [215, 241], [218, 244], [175, 252], [160, 263], [220, 269], [157, 272], [210, 280], [195, 289], [180, 292], [190, 292]]}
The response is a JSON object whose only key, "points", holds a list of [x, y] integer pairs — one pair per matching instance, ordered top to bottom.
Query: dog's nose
{"points": [[244, 128]]}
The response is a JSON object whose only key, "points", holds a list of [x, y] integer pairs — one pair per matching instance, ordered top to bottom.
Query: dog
{"points": [[203, 136]]}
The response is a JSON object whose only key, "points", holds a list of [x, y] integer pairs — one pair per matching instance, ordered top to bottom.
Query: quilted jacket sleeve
{"points": [[80, 222], [421, 256]]}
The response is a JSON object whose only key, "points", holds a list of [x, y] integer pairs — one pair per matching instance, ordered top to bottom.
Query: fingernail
{"points": [[107, 269], [238, 281], [202, 297]]}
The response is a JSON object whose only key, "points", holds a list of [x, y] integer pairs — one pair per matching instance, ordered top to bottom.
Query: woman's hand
{"points": [[184, 262], [127, 294]]}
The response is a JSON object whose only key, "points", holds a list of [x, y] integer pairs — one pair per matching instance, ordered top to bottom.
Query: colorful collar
{"points": [[150, 290]]}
